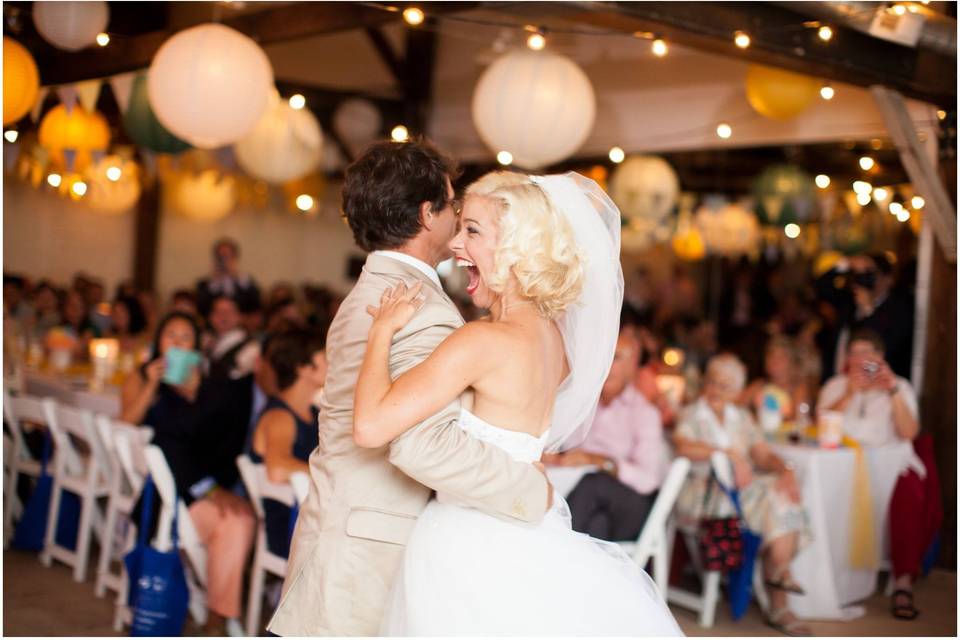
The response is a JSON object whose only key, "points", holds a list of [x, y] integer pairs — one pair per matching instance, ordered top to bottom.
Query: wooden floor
{"points": [[46, 602]]}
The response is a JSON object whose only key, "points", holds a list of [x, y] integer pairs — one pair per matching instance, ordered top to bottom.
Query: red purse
{"points": [[721, 541]]}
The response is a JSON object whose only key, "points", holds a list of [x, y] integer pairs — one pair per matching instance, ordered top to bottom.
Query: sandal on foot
{"points": [[784, 583], [903, 611], [786, 622]]}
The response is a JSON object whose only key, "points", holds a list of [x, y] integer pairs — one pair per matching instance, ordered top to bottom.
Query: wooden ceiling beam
{"points": [[779, 39]]}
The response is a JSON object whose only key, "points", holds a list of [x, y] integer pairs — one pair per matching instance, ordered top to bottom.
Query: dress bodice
{"points": [[522, 447]]}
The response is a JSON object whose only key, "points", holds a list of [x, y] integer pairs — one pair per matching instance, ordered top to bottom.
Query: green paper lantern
{"points": [[143, 126], [785, 194]]}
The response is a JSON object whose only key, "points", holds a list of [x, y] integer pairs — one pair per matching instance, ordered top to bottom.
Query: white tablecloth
{"points": [[74, 394], [823, 568]]}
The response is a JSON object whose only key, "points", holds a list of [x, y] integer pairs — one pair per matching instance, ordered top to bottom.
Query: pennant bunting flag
{"points": [[122, 85], [88, 92]]}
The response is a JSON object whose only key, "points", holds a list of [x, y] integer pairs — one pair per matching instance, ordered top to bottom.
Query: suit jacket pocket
{"points": [[371, 523]]}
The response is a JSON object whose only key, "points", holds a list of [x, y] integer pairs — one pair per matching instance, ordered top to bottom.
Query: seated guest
{"points": [[184, 300], [15, 305], [46, 309], [76, 322], [128, 324], [231, 351], [646, 378], [782, 387], [881, 408], [188, 417], [286, 433], [626, 442], [768, 489]]}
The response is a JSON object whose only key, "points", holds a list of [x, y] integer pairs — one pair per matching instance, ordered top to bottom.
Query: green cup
{"points": [[180, 364]]}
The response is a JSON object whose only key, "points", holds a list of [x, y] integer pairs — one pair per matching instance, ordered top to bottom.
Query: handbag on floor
{"points": [[32, 526], [158, 585]]}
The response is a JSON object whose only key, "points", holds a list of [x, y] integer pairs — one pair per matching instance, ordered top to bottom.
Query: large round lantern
{"points": [[70, 25], [21, 81], [209, 85], [779, 94], [539, 106], [357, 121], [143, 127], [78, 131], [285, 145], [113, 185], [645, 187], [785, 193], [207, 196], [728, 229]]}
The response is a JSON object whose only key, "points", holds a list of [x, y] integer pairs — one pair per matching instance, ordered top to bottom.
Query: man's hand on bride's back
{"points": [[397, 307], [543, 470]]}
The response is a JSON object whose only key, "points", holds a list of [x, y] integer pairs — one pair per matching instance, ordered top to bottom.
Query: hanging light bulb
{"points": [[899, 9], [413, 16], [825, 33], [103, 39], [741, 39], [536, 41], [659, 47], [827, 92], [297, 101], [941, 114], [724, 130], [399, 133], [11, 135], [617, 155], [505, 158], [867, 163], [114, 173], [54, 180], [822, 181], [861, 186], [79, 188], [880, 194], [863, 198], [304, 202], [917, 202], [895, 208], [903, 216], [792, 230]]}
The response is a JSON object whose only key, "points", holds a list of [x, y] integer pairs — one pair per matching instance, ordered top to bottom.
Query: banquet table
{"points": [[73, 391], [823, 568]]}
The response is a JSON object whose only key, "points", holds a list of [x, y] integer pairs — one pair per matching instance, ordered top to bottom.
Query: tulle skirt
{"points": [[467, 573]]}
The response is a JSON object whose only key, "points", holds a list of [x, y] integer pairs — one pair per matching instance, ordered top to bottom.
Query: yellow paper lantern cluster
{"points": [[21, 81], [77, 130]]}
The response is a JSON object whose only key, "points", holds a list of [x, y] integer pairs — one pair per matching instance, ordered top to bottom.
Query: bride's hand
{"points": [[397, 307]]}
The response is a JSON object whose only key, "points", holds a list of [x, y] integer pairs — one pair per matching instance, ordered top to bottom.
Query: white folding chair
{"points": [[19, 410], [84, 472], [300, 481], [125, 487], [189, 538], [656, 539], [264, 561], [705, 602]]}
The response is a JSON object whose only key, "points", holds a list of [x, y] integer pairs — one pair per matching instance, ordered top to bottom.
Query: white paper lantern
{"points": [[70, 25], [209, 85], [539, 106], [357, 121], [286, 144], [645, 187], [105, 195], [207, 196], [728, 230]]}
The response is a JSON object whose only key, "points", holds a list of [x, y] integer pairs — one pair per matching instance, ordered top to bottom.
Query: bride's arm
{"points": [[385, 409]]}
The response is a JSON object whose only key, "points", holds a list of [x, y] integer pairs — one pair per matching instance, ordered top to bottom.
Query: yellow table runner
{"points": [[863, 539]]}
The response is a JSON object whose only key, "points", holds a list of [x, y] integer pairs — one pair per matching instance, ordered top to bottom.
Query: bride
{"points": [[542, 254]]}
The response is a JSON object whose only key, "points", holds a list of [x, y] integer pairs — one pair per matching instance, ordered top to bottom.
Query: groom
{"points": [[363, 504]]}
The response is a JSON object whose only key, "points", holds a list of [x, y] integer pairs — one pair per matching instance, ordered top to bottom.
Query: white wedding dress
{"points": [[468, 573]]}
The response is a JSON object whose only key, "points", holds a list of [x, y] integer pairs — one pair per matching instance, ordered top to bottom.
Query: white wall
{"points": [[47, 237]]}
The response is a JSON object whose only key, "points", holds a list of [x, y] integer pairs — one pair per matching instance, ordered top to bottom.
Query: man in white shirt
{"points": [[880, 408]]}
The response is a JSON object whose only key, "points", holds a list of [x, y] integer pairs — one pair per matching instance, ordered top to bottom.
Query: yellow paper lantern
{"points": [[21, 81], [779, 94], [79, 130], [113, 185], [207, 196], [688, 242]]}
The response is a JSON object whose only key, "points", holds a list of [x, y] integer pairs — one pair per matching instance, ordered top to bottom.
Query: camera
{"points": [[871, 369]]}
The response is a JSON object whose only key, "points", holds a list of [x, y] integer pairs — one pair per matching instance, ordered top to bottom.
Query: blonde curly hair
{"points": [[536, 244]]}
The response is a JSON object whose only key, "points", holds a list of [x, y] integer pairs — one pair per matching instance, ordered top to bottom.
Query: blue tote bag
{"points": [[32, 526], [740, 580], [158, 585]]}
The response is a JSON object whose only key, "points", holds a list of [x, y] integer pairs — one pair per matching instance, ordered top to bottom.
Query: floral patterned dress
{"points": [[767, 511]]}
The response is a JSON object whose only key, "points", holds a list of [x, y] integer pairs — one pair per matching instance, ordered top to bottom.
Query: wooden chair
{"points": [[264, 561]]}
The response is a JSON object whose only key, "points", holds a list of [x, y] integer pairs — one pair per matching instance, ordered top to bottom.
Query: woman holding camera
{"points": [[189, 414]]}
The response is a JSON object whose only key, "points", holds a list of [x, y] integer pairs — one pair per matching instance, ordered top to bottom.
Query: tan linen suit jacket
{"points": [[363, 503]]}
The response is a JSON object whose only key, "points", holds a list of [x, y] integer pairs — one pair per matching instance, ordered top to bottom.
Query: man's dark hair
{"points": [[384, 188], [226, 242], [138, 318], [867, 335], [292, 349]]}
